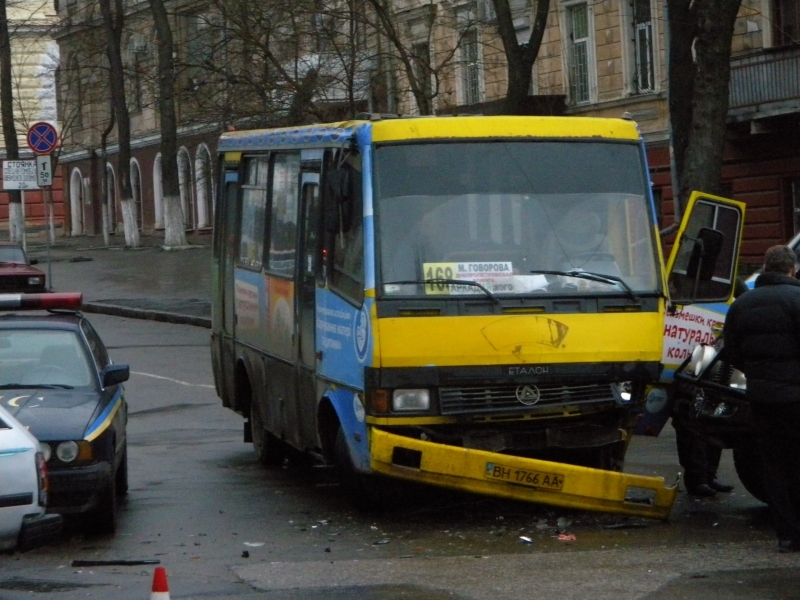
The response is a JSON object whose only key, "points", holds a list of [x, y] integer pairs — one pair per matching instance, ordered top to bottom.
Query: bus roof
{"points": [[431, 128]]}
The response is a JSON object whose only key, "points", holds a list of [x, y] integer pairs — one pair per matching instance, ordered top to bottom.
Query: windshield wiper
{"points": [[589, 275], [447, 282], [29, 386]]}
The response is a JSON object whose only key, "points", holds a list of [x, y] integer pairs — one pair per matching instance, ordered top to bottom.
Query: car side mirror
{"points": [[33, 261], [115, 374]]}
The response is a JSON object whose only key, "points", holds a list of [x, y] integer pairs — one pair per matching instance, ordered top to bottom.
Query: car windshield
{"points": [[516, 217], [12, 254], [32, 358]]}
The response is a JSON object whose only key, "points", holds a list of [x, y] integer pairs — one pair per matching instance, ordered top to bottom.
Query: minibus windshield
{"points": [[516, 217]]}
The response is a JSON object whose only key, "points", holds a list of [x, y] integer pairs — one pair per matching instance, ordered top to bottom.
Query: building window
{"points": [[785, 22], [578, 52], [470, 68], [644, 77], [794, 190]]}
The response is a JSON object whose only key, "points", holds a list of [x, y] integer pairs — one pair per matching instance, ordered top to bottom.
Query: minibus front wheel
{"points": [[360, 489]]}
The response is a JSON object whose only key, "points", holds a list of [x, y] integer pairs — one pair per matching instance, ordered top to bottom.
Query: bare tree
{"points": [[113, 22], [700, 33], [422, 56], [519, 57], [174, 226]]}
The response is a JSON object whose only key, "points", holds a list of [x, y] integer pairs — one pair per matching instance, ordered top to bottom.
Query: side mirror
{"points": [[703, 260], [33, 261], [115, 374]]}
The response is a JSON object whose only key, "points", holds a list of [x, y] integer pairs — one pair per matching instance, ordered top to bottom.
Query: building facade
{"points": [[34, 61], [244, 66]]}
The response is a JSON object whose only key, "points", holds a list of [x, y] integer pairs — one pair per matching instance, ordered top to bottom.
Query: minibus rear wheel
{"points": [[270, 451]]}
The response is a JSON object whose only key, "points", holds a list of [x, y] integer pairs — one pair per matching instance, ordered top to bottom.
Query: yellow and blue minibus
{"points": [[471, 302]]}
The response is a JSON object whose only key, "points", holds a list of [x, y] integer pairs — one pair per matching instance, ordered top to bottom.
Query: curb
{"points": [[150, 315]]}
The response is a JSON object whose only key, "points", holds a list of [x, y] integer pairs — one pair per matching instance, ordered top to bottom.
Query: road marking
{"points": [[202, 385]]}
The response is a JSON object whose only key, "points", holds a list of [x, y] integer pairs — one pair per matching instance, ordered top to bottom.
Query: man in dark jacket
{"points": [[762, 339]]}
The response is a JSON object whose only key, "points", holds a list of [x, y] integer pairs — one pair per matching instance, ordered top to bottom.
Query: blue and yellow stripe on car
{"points": [[105, 418]]}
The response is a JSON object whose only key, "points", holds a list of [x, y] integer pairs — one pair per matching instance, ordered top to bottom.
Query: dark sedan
{"points": [[16, 272], [57, 379]]}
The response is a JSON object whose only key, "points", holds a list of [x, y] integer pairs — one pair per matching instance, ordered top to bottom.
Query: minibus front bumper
{"points": [[518, 478]]}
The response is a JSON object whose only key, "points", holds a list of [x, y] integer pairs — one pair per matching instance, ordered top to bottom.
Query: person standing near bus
{"points": [[762, 339]]}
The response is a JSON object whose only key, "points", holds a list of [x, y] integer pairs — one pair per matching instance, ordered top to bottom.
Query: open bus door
{"points": [[701, 276]]}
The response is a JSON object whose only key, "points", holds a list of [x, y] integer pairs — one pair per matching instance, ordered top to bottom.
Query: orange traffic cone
{"points": [[160, 587]]}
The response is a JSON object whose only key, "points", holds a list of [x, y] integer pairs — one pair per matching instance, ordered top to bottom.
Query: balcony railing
{"points": [[766, 82]]}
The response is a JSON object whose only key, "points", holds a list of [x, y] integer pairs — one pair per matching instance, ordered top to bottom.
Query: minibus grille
{"points": [[504, 398]]}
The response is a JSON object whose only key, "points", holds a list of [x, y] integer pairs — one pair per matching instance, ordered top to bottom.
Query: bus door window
{"points": [[254, 203], [283, 214], [310, 228]]}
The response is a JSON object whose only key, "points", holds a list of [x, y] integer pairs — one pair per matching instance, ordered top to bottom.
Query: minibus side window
{"points": [[254, 203], [283, 214]]}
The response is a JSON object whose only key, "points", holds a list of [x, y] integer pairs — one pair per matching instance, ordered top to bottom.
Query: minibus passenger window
{"points": [[254, 201], [283, 214], [348, 248]]}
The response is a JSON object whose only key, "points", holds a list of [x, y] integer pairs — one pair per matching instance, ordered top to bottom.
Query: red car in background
{"points": [[16, 272]]}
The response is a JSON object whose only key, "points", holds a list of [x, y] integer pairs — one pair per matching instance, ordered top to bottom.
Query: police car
{"points": [[56, 378], [23, 489]]}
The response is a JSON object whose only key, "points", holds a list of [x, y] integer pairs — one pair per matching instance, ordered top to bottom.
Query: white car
{"points": [[794, 244], [24, 523]]}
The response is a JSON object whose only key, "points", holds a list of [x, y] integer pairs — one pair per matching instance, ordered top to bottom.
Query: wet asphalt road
{"points": [[198, 502]]}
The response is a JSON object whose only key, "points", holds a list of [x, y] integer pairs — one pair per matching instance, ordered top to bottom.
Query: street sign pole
{"points": [[42, 139]]}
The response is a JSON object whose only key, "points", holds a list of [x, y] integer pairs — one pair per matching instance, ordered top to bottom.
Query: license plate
{"points": [[538, 479]]}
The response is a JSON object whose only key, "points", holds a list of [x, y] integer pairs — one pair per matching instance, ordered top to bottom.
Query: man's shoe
{"points": [[718, 486], [703, 490], [785, 546]]}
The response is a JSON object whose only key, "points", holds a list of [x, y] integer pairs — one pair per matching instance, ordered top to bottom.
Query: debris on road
{"points": [[567, 538], [115, 563]]}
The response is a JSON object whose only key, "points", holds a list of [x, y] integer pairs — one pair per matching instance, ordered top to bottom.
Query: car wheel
{"points": [[270, 451], [747, 463], [121, 480], [362, 490]]}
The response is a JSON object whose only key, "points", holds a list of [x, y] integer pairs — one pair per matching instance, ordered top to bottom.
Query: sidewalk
{"points": [[146, 283]]}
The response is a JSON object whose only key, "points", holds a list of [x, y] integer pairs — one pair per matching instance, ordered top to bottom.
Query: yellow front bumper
{"points": [[472, 470]]}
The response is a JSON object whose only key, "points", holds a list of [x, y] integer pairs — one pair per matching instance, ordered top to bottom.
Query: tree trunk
{"points": [[113, 21], [701, 32], [519, 57], [16, 216], [174, 227]]}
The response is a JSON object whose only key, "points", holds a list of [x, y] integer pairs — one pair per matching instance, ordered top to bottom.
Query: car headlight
{"points": [[35, 281], [702, 356], [738, 380], [408, 400], [47, 451], [67, 451]]}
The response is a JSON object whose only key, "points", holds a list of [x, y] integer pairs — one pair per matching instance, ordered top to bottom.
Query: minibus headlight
{"points": [[35, 281], [408, 400]]}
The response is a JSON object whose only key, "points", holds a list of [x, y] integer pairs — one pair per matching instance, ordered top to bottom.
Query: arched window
{"points": [[185, 183], [204, 186], [136, 189], [158, 193], [76, 201]]}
